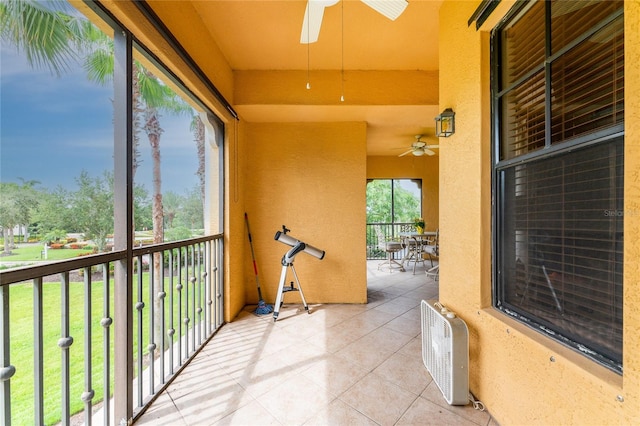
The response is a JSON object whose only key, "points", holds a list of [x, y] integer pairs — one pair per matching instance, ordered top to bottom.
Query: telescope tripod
{"points": [[282, 289]]}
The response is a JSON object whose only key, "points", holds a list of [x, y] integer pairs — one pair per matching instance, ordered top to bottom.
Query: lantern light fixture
{"points": [[446, 123]]}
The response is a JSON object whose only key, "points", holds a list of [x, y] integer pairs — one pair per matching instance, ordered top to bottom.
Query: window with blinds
{"points": [[558, 87]]}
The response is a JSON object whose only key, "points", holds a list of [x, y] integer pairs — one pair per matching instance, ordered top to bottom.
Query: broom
{"points": [[263, 308]]}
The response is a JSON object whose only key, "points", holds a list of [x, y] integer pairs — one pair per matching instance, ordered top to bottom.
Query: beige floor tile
{"points": [[393, 307], [368, 321], [404, 325], [336, 338], [386, 339], [413, 348], [363, 354], [407, 372], [335, 374], [263, 375], [195, 379], [432, 393], [378, 399], [295, 400], [206, 406], [163, 412], [424, 412], [339, 413], [253, 414]]}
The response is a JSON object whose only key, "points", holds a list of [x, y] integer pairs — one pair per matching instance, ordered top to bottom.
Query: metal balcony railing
{"points": [[390, 231], [63, 314]]}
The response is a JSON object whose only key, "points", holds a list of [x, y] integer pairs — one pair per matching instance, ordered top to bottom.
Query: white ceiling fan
{"points": [[315, 11], [419, 148]]}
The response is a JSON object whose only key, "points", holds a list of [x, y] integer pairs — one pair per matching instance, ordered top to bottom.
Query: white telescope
{"points": [[297, 245]]}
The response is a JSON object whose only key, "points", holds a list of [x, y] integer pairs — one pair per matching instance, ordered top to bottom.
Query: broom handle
{"points": [[253, 256]]}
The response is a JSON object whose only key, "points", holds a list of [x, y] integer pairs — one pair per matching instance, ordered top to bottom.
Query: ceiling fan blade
{"points": [[389, 8], [313, 19], [406, 152], [429, 152]]}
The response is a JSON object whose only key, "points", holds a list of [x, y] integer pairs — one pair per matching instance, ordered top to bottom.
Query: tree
{"points": [[379, 203], [16, 204], [92, 204], [172, 205], [54, 212], [9, 214], [191, 214]]}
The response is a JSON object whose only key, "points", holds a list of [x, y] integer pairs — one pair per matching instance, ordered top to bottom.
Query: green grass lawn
{"points": [[33, 252]]}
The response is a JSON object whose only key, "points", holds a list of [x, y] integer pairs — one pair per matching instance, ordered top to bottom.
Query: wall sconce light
{"points": [[446, 123]]}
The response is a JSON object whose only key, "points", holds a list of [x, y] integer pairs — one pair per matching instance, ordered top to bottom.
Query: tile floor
{"points": [[340, 365]]}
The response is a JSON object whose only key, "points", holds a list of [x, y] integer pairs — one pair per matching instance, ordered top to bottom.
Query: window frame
{"points": [[548, 151]]}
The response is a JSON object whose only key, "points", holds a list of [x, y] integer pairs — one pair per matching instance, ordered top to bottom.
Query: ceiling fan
{"points": [[315, 11], [419, 148]]}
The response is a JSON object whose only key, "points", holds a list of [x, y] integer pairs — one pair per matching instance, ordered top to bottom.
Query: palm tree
{"points": [[48, 36], [150, 96], [198, 129]]}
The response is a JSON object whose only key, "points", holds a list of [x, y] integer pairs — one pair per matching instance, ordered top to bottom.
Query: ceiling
{"points": [[265, 35]]}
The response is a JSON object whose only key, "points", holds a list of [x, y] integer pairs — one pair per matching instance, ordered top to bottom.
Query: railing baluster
{"points": [[154, 276], [192, 280], [219, 282], [207, 287], [161, 296], [186, 303], [199, 304], [139, 309], [179, 316], [171, 331], [65, 343], [106, 343], [38, 352], [7, 370], [87, 395]]}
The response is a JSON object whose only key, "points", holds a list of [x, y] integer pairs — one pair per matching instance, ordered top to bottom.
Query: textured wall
{"points": [[310, 177], [522, 376]]}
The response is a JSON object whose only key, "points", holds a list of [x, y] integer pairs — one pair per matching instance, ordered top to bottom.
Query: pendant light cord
{"points": [[308, 46], [342, 58]]}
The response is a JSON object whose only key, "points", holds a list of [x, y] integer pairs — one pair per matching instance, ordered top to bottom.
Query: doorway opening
{"points": [[392, 207]]}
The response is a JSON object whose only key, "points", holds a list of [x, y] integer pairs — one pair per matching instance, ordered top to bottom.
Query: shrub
{"points": [[56, 246]]}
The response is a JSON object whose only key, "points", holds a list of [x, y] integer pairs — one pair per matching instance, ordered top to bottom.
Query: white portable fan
{"points": [[315, 11], [419, 148], [445, 351]]}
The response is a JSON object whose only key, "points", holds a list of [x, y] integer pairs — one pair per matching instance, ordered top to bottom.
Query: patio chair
{"points": [[390, 247], [433, 250]]}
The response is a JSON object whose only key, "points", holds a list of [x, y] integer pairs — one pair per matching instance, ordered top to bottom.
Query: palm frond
{"points": [[41, 31]]}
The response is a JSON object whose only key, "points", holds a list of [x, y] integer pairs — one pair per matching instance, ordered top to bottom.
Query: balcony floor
{"points": [[342, 364]]}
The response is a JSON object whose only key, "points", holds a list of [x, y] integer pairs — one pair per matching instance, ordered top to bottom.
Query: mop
{"points": [[263, 308]]}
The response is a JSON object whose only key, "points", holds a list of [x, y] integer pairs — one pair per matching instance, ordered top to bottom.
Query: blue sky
{"points": [[52, 128]]}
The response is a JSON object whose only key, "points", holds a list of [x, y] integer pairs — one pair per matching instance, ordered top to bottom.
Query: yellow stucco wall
{"points": [[411, 167], [310, 177], [523, 377]]}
